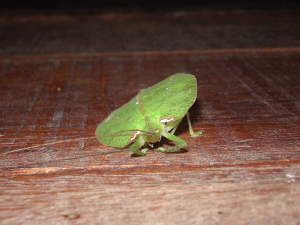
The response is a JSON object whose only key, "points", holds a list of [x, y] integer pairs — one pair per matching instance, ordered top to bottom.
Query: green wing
{"points": [[170, 98], [118, 128]]}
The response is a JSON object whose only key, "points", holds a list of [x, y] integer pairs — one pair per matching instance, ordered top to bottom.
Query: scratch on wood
{"points": [[47, 144], [155, 168]]}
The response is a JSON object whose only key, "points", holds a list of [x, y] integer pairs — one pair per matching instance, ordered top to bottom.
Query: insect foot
{"points": [[196, 134]]}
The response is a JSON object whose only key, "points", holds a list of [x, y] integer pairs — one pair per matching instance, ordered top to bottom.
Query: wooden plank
{"points": [[115, 32], [244, 168], [218, 196]]}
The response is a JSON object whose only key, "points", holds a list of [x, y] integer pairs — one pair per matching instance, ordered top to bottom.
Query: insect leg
{"points": [[192, 133], [180, 143], [135, 148]]}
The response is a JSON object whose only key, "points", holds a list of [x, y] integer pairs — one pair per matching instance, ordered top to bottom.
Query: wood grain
{"points": [[135, 31], [246, 162], [244, 169]]}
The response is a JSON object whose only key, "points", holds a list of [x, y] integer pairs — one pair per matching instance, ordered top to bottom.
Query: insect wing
{"points": [[171, 98], [119, 127]]}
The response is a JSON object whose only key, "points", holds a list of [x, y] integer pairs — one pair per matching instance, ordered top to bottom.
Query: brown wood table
{"points": [[60, 75]]}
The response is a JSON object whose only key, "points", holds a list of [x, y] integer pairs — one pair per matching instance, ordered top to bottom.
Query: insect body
{"points": [[153, 113]]}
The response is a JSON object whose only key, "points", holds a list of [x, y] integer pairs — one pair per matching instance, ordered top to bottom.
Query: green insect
{"points": [[155, 112]]}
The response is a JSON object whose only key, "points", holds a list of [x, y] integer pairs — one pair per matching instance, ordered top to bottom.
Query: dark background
{"points": [[133, 5]]}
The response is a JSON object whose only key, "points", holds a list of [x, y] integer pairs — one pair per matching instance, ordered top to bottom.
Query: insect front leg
{"points": [[192, 133], [180, 143], [136, 146]]}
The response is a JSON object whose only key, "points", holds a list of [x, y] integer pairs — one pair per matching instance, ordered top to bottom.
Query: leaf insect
{"points": [[155, 112]]}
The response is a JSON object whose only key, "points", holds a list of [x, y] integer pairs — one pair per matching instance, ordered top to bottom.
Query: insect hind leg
{"points": [[192, 132], [180, 143]]}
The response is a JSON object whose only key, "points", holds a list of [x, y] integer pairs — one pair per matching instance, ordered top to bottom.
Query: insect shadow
{"points": [[163, 142]]}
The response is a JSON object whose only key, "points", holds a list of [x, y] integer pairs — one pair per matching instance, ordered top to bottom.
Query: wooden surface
{"points": [[180, 30], [244, 169]]}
